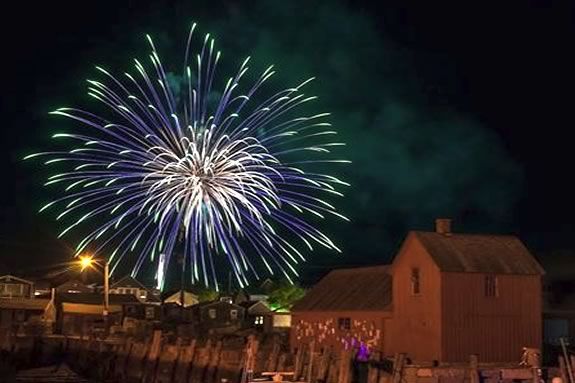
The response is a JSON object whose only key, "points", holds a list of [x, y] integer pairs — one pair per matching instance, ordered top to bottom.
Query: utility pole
{"points": [[106, 296]]}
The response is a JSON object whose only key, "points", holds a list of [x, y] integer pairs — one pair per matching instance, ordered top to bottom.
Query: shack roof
{"points": [[479, 253], [13, 278], [128, 281], [357, 289], [96, 299], [24, 303], [255, 307], [88, 309]]}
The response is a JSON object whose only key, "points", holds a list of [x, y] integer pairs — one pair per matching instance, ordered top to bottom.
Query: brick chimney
{"points": [[443, 226]]}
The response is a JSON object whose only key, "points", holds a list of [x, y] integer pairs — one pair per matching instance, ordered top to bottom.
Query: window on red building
{"points": [[415, 281], [490, 286], [344, 323]]}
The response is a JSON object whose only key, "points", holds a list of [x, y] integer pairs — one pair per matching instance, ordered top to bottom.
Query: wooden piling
{"points": [[272, 360], [214, 361], [184, 362], [200, 363], [298, 363], [135, 364], [166, 364], [323, 365], [345, 365], [398, 365], [373, 367], [563, 369], [473, 371]]}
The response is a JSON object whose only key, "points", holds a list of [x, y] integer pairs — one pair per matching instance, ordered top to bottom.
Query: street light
{"points": [[88, 261], [85, 262]]}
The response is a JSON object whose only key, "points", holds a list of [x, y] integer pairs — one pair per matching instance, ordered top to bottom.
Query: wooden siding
{"points": [[416, 325], [323, 328], [495, 328]]}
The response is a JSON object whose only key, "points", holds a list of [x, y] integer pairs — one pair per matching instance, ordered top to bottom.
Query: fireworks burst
{"points": [[179, 173]]}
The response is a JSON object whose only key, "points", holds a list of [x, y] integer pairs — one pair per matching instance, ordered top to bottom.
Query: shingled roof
{"points": [[479, 253], [357, 289], [96, 299]]}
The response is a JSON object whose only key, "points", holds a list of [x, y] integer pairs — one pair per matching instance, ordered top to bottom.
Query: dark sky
{"points": [[459, 109]]}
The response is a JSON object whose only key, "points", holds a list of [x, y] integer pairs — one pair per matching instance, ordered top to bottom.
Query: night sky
{"points": [[459, 109]]}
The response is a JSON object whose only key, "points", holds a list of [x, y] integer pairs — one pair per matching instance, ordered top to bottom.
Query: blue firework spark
{"points": [[166, 168]]}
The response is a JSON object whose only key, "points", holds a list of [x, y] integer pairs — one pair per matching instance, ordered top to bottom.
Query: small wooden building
{"points": [[130, 285], [73, 286], [14, 287], [452, 295], [187, 297], [346, 308], [25, 313], [78, 313], [257, 315], [218, 316]]}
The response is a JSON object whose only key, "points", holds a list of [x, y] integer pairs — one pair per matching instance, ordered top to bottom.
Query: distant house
{"points": [[130, 285], [73, 286], [14, 287], [42, 287], [254, 293], [188, 297], [444, 297], [81, 312], [16, 313], [257, 315], [218, 316]]}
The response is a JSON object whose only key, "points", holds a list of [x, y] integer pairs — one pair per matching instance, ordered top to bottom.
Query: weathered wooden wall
{"points": [[416, 323], [366, 327], [495, 328]]}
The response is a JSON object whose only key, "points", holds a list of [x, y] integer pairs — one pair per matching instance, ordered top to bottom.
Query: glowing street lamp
{"points": [[88, 261], [85, 262]]}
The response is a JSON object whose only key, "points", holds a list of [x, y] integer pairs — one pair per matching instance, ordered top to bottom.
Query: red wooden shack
{"points": [[451, 295], [345, 309]]}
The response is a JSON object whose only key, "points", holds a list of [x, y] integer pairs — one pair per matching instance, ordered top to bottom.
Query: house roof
{"points": [[479, 253], [12, 278], [128, 281], [74, 283], [357, 289], [189, 298], [96, 299], [24, 303], [213, 303], [255, 307], [88, 309]]}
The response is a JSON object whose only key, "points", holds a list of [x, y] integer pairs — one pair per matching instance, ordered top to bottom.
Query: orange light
{"points": [[85, 262]]}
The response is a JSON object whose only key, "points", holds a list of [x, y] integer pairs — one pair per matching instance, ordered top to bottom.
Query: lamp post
{"points": [[89, 261], [106, 288]]}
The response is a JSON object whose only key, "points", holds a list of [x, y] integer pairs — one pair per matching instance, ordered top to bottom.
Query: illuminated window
{"points": [[415, 282], [490, 282], [212, 313], [234, 314], [259, 320], [344, 323]]}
